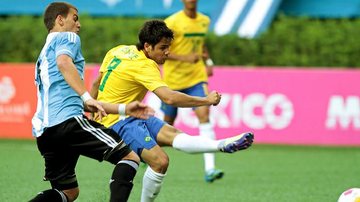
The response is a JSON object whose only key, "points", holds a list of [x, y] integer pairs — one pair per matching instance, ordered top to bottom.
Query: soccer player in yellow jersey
{"points": [[186, 72], [127, 74]]}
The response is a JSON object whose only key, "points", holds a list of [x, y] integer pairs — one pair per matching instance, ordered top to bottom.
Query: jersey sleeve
{"points": [[207, 19], [170, 21], [68, 44], [149, 76]]}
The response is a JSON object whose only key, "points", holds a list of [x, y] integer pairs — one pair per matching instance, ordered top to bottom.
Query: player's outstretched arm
{"points": [[214, 97], [179, 99], [91, 105], [134, 109], [139, 110]]}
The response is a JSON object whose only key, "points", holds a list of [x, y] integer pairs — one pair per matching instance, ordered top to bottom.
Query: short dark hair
{"points": [[53, 10], [152, 32]]}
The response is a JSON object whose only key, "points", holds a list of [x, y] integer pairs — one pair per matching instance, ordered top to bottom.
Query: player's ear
{"points": [[60, 20], [147, 47]]}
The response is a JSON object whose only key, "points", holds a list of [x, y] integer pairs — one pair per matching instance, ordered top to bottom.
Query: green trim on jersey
{"points": [[194, 34]]}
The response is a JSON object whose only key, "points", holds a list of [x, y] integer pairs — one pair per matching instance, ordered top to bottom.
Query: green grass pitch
{"points": [[262, 173]]}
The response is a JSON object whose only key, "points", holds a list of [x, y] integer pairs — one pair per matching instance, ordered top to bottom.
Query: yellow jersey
{"points": [[189, 37], [127, 75]]}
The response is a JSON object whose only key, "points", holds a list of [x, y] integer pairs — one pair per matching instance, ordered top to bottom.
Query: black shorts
{"points": [[62, 145]]}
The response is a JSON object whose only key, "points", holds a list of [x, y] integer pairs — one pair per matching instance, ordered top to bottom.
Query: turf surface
{"points": [[262, 173]]}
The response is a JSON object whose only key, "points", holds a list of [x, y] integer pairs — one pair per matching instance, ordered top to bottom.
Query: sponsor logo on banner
{"points": [[7, 89], [18, 98], [282, 106], [291, 106], [11, 111], [256, 111], [343, 113]]}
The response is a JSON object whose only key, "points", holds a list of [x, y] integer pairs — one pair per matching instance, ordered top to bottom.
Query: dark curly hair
{"points": [[152, 32]]}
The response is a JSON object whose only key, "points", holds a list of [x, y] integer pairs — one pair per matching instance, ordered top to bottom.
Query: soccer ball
{"points": [[350, 195]]}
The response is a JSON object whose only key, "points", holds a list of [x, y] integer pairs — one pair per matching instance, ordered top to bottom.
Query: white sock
{"points": [[207, 131], [195, 144], [152, 182]]}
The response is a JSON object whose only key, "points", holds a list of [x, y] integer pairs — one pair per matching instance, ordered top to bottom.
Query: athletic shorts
{"points": [[200, 90], [139, 133], [62, 144]]}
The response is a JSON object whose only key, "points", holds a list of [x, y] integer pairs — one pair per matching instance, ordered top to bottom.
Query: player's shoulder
{"points": [[174, 16], [202, 16], [68, 37], [115, 48], [124, 50], [148, 63]]}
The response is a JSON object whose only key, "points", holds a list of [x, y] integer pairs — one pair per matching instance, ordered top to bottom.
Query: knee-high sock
{"points": [[207, 130], [195, 144], [121, 180], [152, 182], [50, 195]]}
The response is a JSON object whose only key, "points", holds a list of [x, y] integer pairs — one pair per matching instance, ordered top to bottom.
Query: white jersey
{"points": [[57, 101]]}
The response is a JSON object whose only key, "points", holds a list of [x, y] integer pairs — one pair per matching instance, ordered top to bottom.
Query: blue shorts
{"points": [[199, 89], [139, 133]]}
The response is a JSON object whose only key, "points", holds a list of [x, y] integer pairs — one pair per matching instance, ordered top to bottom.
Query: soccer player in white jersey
{"points": [[62, 131]]}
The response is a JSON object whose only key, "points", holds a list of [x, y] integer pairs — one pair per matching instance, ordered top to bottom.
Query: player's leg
{"points": [[170, 113], [169, 119], [206, 130], [168, 135], [183, 142], [101, 143], [144, 144], [158, 162], [59, 166], [121, 181], [58, 193], [54, 195]]}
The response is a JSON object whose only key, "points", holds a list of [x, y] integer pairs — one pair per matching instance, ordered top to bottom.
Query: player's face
{"points": [[190, 4], [71, 22], [159, 53]]}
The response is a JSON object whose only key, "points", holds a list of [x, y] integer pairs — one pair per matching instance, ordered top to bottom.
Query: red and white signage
{"points": [[18, 98], [281, 106]]}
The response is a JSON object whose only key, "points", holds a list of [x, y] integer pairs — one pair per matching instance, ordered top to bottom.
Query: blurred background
{"points": [[305, 33], [288, 70]]}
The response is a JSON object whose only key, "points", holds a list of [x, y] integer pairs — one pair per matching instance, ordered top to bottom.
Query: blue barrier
{"points": [[247, 18]]}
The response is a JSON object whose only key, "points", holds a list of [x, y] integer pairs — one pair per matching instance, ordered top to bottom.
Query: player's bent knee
{"points": [[164, 161], [161, 164], [72, 194]]}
